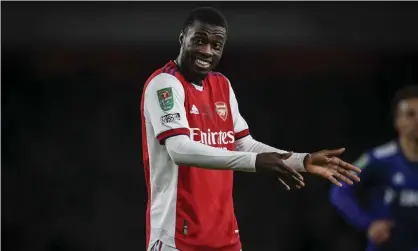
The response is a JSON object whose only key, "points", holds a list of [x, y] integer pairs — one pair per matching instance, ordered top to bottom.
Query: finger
{"points": [[334, 152], [284, 156], [343, 164], [283, 166], [350, 167], [348, 174], [297, 175], [343, 178], [290, 180], [299, 181], [334, 181], [284, 183]]}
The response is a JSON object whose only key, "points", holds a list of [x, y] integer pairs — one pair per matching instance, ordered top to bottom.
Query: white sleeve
{"points": [[164, 107], [240, 125], [248, 144], [184, 151]]}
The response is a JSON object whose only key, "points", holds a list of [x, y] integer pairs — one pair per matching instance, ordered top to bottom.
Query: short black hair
{"points": [[207, 15], [407, 92]]}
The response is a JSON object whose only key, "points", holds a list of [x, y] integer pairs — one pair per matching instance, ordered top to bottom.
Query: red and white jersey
{"points": [[189, 208]]}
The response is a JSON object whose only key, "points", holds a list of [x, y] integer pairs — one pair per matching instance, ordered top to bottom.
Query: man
{"points": [[194, 138], [389, 179]]}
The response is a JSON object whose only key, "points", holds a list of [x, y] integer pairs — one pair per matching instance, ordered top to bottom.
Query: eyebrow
{"points": [[219, 36]]}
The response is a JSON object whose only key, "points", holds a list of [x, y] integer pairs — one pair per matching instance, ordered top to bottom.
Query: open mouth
{"points": [[201, 63]]}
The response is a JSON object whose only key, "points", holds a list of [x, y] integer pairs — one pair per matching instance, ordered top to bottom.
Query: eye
{"points": [[198, 40], [217, 46]]}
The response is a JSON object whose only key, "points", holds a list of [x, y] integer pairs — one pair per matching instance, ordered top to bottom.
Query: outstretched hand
{"points": [[327, 165]]}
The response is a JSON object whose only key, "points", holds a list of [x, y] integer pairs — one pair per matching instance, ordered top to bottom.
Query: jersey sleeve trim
{"points": [[172, 70], [165, 113], [171, 133], [242, 134]]}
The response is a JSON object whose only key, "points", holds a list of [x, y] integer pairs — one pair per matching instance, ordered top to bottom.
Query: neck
{"points": [[187, 73], [409, 148]]}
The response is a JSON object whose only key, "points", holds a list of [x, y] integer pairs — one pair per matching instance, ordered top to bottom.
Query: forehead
{"points": [[208, 29], [407, 104]]}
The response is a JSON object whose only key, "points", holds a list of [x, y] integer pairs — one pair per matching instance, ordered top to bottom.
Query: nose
{"points": [[206, 49]]}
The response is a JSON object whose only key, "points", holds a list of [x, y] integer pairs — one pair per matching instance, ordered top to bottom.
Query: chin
{"points": [[200, 71], [206, 71]]}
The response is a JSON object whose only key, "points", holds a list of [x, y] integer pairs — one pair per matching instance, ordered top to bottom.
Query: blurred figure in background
{"points": [[389, 182]]}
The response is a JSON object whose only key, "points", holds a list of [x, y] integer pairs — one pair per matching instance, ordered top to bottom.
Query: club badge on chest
{"points": [[221, 110]]}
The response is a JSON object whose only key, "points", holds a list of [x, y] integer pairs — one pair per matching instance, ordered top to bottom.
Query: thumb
{"points": [[284, 155]]}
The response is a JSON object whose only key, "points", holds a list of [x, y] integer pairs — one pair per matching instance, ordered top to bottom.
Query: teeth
{"points": [[201, 62]]}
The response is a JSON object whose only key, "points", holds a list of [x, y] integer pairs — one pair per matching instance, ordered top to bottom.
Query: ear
{"points": [[181, 37]]}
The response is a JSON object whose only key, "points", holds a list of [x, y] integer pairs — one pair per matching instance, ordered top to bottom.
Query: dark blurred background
{"points": [[308, 75]]}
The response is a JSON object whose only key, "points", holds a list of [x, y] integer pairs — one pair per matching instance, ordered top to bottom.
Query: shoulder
{"points": [[216, 74], [219, 76], [162, 79], [223, 81], [385, 151], [377, 156]]}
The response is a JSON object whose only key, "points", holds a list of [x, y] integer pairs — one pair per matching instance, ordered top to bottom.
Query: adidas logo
{"points": [[194, 110]]}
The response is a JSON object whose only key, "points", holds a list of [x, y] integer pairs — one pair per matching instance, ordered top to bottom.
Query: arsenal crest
{"points": [[221, 110]]}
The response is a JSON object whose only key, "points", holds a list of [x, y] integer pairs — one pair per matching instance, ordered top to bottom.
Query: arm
{"points": [[164, 110], [245, 143], [248, 144], [184, 151], [343, 198]]}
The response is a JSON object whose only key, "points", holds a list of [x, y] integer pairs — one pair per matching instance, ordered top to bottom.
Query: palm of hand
{"points": [[327, 165]]}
